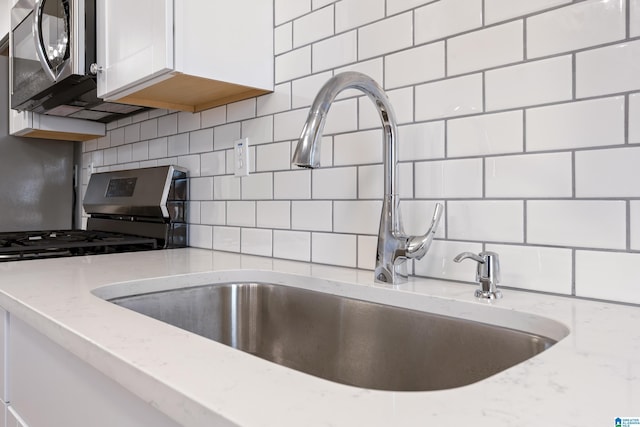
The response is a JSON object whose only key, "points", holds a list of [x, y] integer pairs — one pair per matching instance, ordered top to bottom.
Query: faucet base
{"points": [[399, 274], [487, 294]]}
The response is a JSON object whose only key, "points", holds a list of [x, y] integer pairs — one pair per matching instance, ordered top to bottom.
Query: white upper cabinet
{"points": [[185, 55]]}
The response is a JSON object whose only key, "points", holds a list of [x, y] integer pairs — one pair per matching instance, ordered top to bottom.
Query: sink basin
{"points": [[349, 341]]}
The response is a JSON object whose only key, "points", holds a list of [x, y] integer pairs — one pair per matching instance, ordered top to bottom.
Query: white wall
{"points": [[5, 21], [519, 115]]}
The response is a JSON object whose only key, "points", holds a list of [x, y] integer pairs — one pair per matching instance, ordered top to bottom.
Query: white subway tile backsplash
{"points": [[317, 4], [395, 6], [286, 10], [499, 10], [355, 13], [445, 18], [634, 18], [577, 26], [312, 27], [385, 36], [283, 38], [485, 48], [335, 52], [293, 64], [415, 65], [372, 68], [608, 70], [531, 83], [304, 90], [449, 98], [278, 101], [402, 101], [241, 110], [519, 115], [214, 117], [342, 117], [634, 118], [188, 121], [576, 124], [168, 125], [288, 125], [149, 129], [259, 130], [132, 133], [499, 133], [225, 135], [116, 137], [200, 141], [421, 141], [104, 142], [178, 144], [358, 148], [140, 151], [125, 153], [110, 156], [271, 157], [148, 163], [213, 163], [608, 173], [531, 175], [448, 179], [370, 182], [335, 183], [295, 184], [257, 186], [226, 187], [201, 188], [193, 212], [213, 213], [242, 213], [273, 214], [312, 215], [357, 217], [416, 217], [486, 220], [578, 223], [634, 224], [200, 236], [226, 239], [256, 241], [294, 245], [335, 249], [367, 249], [438, 262], [535, 267], [617, 281]]}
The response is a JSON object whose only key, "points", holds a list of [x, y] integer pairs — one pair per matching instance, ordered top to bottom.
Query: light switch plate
{"points": [[241, 157]]}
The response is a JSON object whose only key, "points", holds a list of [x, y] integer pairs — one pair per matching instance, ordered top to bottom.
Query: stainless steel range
{"points": [[130, 210]]}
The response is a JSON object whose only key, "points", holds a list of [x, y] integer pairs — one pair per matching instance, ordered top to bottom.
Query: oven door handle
{"points": [[37, 36]]}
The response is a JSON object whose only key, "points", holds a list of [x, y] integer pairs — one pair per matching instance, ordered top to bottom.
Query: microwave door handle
{"points": [[37, 36]]}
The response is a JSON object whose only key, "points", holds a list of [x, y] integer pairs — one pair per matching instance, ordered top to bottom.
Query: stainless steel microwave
{"points": [[52, 45]]}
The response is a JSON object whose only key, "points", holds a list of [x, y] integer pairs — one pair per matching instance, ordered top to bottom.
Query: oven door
{"points": [[40, 48]]}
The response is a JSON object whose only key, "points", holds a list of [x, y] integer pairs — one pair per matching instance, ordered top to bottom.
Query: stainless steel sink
{"points": [[349, 341]]}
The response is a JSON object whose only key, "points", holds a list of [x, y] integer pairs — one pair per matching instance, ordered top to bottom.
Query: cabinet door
{"points": [[134, 43]]}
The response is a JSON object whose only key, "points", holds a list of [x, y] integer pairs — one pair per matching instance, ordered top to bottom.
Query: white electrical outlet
{"points": [[241, 157]]}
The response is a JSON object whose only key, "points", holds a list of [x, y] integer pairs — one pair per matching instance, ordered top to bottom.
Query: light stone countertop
{"points": [[587, 379]]}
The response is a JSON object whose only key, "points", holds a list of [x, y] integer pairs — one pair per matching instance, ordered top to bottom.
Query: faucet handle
{"points": [[417, 246], [487, 274]]}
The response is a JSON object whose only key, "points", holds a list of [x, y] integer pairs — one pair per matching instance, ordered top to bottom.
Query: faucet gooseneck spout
{"points": [[394, 247]]}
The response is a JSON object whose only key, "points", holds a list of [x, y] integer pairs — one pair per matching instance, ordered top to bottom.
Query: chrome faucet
{"points": [[394, 247], [487, 273]]}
